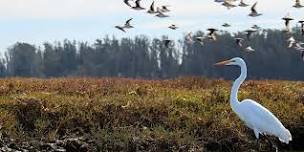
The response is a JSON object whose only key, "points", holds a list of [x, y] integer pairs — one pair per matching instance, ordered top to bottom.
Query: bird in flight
{"points": [[127, 2], [228, 4], [243, 4], [298, 4], [138, 6], [164, 8], [152, 9], [254, 12], [160, 14], [287, 20], [127, 24], [226, 25], [173, 27], [256, 27], [302, 27], [121, 28], [249, 32], [211, 34], [189, 38], [200, 39], [239, 41], [167, 42], [291, 42], [298, 46], [249, 49], [301, 49], [255, 116]]}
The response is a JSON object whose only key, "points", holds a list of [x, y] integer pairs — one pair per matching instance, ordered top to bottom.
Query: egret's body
{"points": [[255, 116]]}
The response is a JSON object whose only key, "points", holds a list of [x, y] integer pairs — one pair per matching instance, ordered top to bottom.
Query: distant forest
{"points": [[142, 57]]}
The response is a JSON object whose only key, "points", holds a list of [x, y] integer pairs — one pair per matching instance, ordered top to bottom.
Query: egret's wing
{"points": [[259, 118]]}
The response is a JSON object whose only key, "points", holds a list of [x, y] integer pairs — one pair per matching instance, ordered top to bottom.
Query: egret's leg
{"points": [[256, 133], [258, 144], [272, 144]]}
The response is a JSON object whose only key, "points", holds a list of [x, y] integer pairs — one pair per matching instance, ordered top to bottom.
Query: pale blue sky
{"points": [[37, 21]]}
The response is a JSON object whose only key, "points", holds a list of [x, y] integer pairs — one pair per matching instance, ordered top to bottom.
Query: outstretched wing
{"points": [[127, 2], [137, 2], [152, 6], [253, 8], [128, 21], [120, 28], [211, 31]]}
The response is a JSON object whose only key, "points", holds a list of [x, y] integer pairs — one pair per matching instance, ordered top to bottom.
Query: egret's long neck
{"points": [[236, 85]]}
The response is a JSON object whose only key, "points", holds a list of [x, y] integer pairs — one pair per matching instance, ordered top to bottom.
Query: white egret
{"points": [[255, 116]]}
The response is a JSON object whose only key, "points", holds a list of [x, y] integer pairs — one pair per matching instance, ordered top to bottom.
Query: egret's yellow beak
{"points": [[222, 63]]}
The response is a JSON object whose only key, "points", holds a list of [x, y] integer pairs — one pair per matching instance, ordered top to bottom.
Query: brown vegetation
{"points": [[186, 114]]}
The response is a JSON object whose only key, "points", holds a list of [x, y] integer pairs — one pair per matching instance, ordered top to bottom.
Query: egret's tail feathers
{"points": [[285, 136]]}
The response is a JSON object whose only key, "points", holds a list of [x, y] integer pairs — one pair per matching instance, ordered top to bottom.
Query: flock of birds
{"points": [[161, 12], [255, 116]]}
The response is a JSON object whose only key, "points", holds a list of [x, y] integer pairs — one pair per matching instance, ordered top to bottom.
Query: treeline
{"points": [[141, 57]]}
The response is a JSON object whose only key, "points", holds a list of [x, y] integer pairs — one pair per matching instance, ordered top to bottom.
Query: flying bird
{"points": [[127, 2], [228, 4], [243, 4], [298, 4], [138, 6], [164, 8], [152, 9], [254, 12], [161, 14], [287, 20], [127, 24], [226, 25], [173, 27], [256, 27], [302, 27], [121, 28], [249, 32], [211, 34], [189, 38], [200, 39], [239, 41], [167, 42], [291, 42], [298, 46], [249, 49], [302, 52], [255, 116]]}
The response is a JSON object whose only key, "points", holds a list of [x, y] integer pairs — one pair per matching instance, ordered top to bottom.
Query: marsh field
{"points": [[115, 114]]}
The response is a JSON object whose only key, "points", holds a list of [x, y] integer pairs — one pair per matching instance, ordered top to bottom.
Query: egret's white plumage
{"points": [[255, 116]]}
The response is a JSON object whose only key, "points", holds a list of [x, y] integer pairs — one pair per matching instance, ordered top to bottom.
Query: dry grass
{"points": [[187, 114]]}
